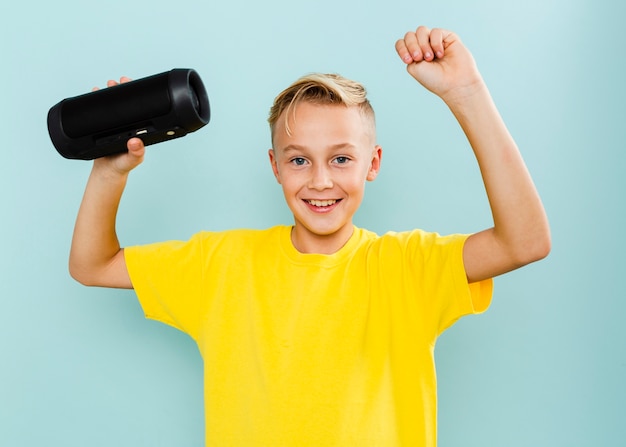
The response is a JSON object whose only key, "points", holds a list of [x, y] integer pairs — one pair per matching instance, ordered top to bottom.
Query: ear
{"points": [[377, 155], [274, 164]]}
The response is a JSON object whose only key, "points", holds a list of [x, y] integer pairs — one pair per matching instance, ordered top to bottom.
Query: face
{"points": [[322, 168]]}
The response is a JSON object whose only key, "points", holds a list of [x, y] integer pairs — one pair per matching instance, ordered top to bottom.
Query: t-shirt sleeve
{"points": [[167, 278], [442, 280]]}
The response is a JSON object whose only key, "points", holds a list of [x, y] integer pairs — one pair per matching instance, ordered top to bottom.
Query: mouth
{"points": [[322, 203], [322, 206]]}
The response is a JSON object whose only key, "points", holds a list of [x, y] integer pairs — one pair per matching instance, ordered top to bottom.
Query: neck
{"points": [[309, 243]]}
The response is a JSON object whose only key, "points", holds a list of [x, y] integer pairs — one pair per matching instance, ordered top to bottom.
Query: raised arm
{"points": [[441, 63], [96, 258]]}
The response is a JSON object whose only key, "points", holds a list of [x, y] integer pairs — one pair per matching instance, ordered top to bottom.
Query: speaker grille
{"points": [[107, 109]]}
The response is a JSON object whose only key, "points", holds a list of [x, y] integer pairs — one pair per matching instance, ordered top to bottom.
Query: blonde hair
{"points": [[321, 89]]}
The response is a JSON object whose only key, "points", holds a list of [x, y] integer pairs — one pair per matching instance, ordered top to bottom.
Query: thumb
{"points": [[136, 147], [134, 157]]}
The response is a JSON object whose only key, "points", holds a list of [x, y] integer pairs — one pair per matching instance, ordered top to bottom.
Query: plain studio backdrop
{"points": [[545, 366]]}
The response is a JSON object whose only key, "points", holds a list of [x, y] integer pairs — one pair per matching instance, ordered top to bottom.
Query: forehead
{"points": [[307, 123]]}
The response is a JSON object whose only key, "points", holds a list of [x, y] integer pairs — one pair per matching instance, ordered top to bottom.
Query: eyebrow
{"points": [[295, 147]]}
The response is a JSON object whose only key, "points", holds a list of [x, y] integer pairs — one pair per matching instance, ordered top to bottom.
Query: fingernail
{"points": [[439, 54], [427, 55], [407, 58]]}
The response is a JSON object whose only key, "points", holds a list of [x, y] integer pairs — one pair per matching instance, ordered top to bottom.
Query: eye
{"points": [[341, 160], [298, 161]]}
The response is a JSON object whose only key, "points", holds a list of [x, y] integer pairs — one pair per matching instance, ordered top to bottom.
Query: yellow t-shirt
{"points": [[307, 349]]}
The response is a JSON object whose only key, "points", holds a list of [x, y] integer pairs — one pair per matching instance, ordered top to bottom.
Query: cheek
{"points": [[362, 177], [289, 183], [355, 184]]}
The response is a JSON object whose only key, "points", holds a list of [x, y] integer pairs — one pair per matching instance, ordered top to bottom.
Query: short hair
{"points": [[321, 89]]}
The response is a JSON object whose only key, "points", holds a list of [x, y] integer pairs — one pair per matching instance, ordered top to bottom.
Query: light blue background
{"points": [[544, 367]]}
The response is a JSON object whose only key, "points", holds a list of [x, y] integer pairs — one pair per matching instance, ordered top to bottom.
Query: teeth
{"points": [[322, 202]]}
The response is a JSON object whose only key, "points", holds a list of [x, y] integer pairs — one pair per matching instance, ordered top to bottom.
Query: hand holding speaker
{"points": [[154, 109]]}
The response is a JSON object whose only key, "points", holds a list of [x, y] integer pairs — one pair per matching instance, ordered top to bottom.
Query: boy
{"points": [[321, 333]]}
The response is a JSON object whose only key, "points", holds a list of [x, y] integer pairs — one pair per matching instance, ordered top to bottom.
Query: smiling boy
{"points": [[322, 156], [320, 333]]}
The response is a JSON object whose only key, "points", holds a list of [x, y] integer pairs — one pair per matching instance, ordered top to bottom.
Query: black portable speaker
{"points": [[156, 108]]}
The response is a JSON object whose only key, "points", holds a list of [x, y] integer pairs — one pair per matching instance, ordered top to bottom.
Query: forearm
{"points": [[440, 62], [520, 224], [95, 245]]}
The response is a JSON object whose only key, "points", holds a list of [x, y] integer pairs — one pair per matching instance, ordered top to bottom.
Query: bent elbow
{"points": [[543, 244], [545, 248], [535, 250], [541, 251], [111, 273], [82, 274], [79, 275]]}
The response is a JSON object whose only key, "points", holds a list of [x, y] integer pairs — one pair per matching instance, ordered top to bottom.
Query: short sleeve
{"points": [[434, 275], [167, 278], [457, 296]]}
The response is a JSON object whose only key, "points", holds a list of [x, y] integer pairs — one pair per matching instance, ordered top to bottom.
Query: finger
{"points": [[423, 40], [436, 42], [412, 45], [403, 51], [112, 83], [135, 147]]}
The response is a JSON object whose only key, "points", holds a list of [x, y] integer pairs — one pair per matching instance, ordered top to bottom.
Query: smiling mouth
{"points": [[322, 203]]}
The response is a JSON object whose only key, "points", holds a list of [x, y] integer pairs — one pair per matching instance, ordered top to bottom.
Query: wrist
{"points": [[468, 96], [106, 169]]}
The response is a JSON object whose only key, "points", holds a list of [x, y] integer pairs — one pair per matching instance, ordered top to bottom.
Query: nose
{"points": [[320, 178]]}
